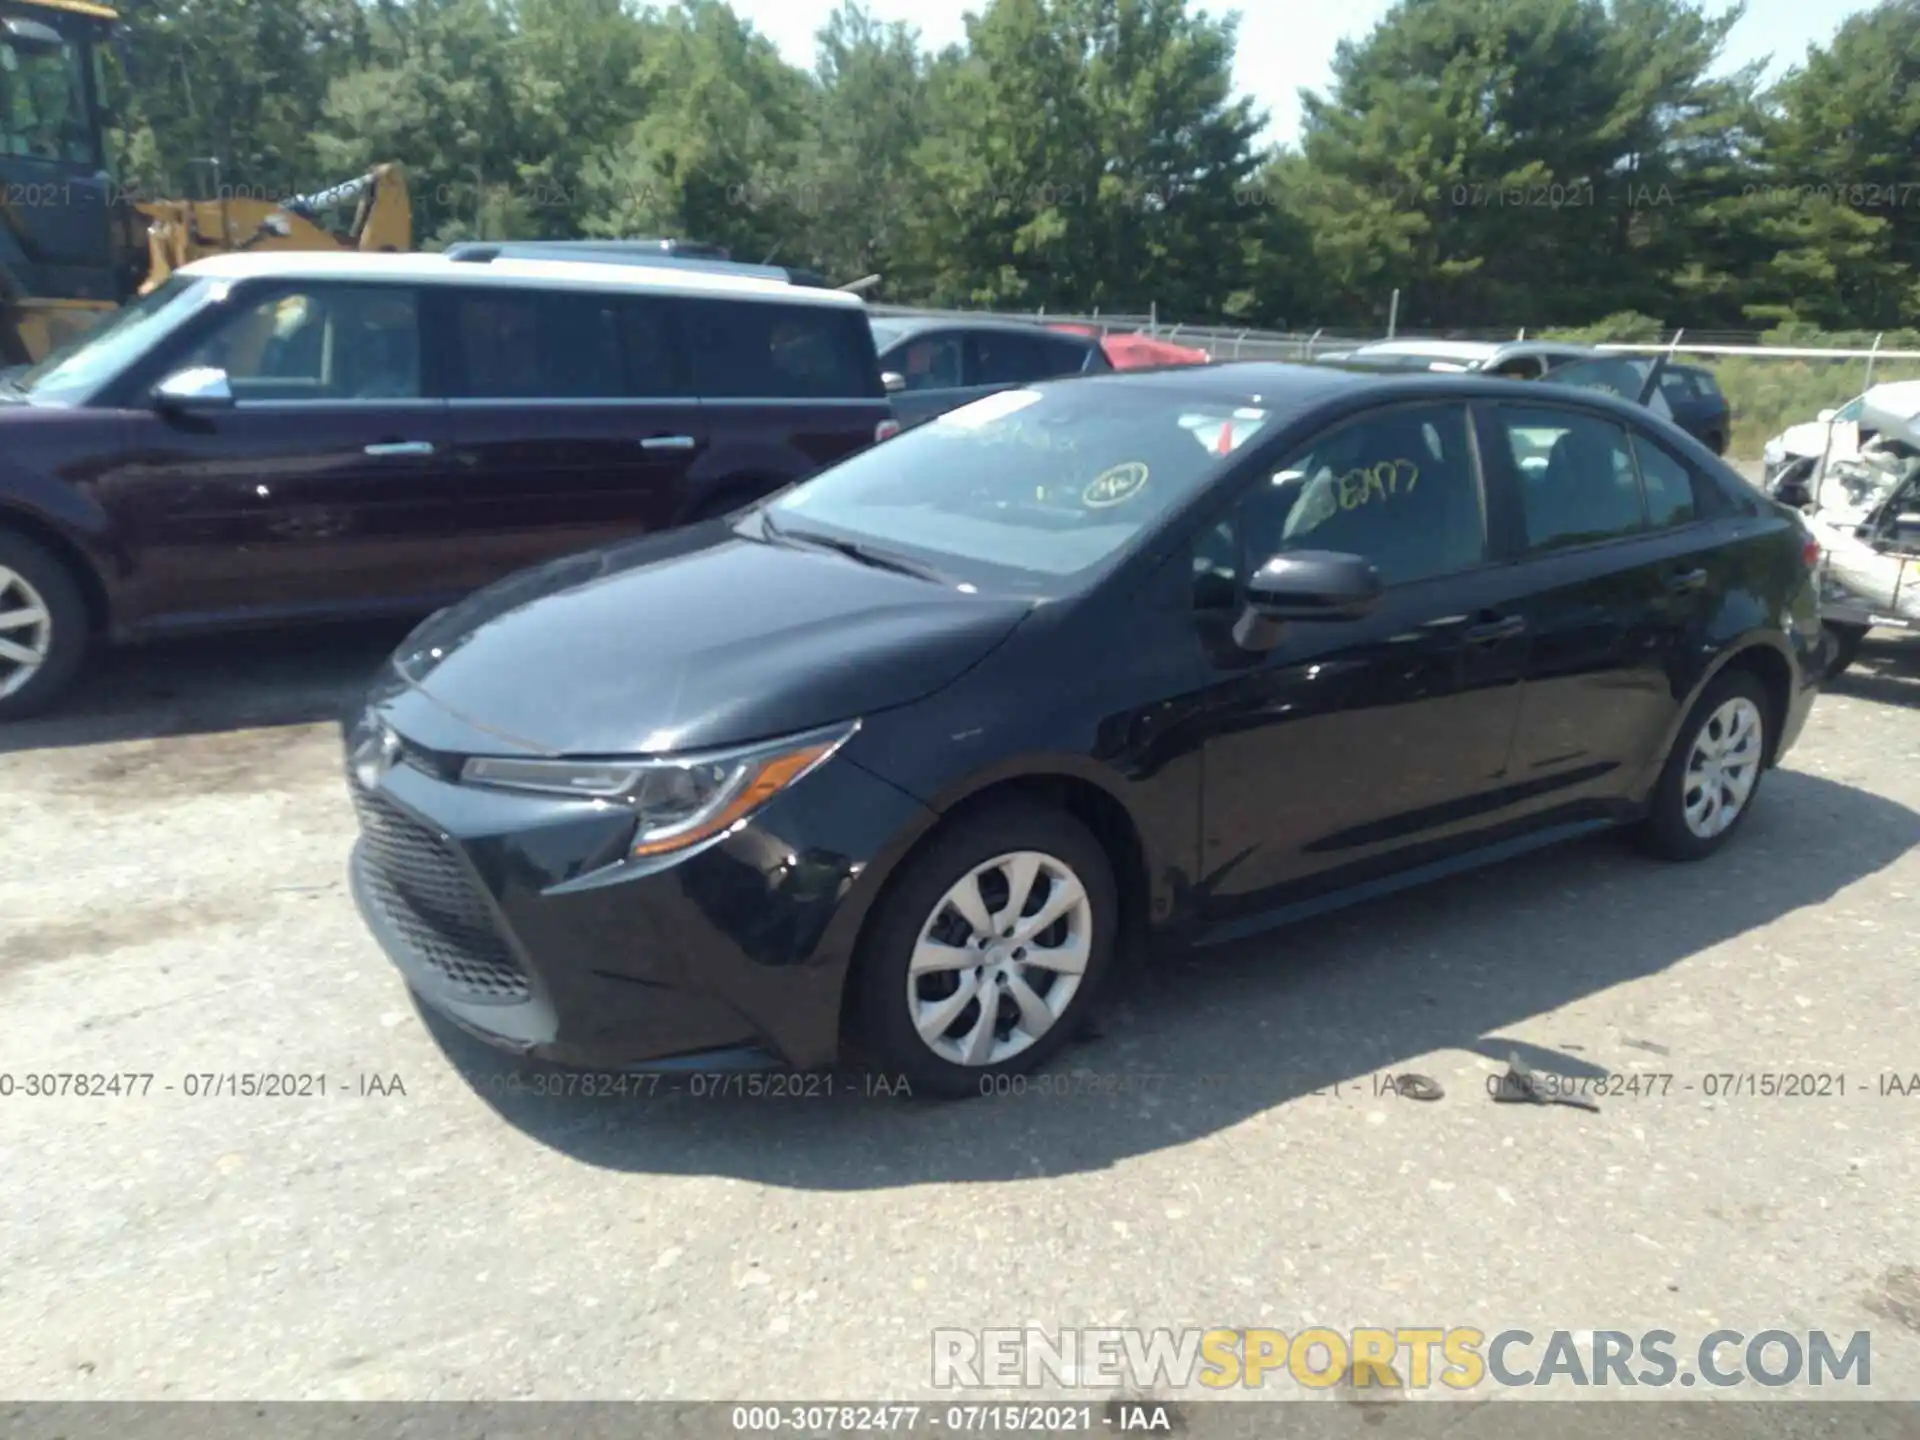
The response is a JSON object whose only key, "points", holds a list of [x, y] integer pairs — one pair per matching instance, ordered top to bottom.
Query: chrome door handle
{"points": [[667, 442], [402, 447]]}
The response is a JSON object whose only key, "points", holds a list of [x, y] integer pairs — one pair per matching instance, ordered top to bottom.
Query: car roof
{"points": [[510, 270], [918, 324], [1438, 349], [1471, 351], [1289, 390]]}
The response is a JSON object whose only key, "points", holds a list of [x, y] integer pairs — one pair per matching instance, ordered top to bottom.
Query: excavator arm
{"points": [[182, 231]]}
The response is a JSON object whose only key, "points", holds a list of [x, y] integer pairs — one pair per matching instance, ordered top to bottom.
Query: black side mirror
{"points": [[1306, 585], [1315, 585]]}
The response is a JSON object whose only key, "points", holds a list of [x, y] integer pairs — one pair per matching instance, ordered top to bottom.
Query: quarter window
{"points": [[344, 342], [757, 349], [1578, 484], [1669, 485], [1399, 488]]}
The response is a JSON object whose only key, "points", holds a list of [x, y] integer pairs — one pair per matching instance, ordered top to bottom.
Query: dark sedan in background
{"points": [[932, 364], [1181, 653]]}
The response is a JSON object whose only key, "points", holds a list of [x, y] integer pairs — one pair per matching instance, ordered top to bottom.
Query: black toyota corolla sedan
{"points": [[912, 747]]}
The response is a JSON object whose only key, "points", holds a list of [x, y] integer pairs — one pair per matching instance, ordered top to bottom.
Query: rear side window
{"points": [[521, 345], [756, 349], [1008, 358], [1578, 482], [1671, 499]]}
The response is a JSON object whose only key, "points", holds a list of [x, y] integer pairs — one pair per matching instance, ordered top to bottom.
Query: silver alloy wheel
{"points": [[26, 631], [1723, 767], [1000, 958]]}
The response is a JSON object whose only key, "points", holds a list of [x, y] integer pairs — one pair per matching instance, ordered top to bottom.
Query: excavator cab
{"points": [[63, 238]]}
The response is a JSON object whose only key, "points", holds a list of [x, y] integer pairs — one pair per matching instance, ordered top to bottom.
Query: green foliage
{"points": [[1499, 162]]}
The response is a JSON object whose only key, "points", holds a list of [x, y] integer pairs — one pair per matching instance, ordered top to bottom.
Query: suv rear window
{"points": [[759, 349]]}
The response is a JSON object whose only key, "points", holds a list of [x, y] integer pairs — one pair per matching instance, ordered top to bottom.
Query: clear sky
{"points": [[1285, 44]]}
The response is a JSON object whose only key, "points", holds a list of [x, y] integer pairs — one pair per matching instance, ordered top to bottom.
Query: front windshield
{"points": [[43, 98], [885, 332], [71, 373], [1026, 486]]}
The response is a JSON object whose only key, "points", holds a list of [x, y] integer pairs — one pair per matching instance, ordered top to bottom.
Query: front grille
{"points": [[426, 895]]}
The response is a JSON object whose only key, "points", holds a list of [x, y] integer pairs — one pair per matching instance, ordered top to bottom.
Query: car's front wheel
{"points": [[43, 628], [1713, 774], [986, 956]]}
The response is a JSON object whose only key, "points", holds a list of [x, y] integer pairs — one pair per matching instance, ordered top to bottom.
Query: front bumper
{"points": [[520, 919]]}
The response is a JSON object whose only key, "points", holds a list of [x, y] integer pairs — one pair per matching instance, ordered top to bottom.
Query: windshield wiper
{"points": [[853, 550]]}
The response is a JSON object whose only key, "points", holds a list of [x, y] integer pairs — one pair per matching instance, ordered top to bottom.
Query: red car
{"points": [[1140, 352]]}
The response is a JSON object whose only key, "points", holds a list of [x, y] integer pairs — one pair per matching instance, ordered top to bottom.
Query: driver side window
{"points": [[326, 342], [1399, 488]]}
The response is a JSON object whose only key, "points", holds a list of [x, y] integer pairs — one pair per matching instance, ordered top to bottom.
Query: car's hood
{"points": [[684, 641]]}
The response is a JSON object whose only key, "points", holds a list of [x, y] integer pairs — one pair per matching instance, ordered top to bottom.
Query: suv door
{"points": [[935, 367], [786, 389], [573, 423], [326, 488], [1618, 574], [1353, 740]]}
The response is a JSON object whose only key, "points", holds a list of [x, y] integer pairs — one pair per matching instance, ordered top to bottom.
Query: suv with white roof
{"points": [[278, 437]]}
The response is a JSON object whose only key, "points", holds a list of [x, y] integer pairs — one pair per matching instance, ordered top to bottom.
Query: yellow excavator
{"points": [[73, 245]]}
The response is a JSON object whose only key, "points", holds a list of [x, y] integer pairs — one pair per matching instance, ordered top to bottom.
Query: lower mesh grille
{"points": [[425, 894]]}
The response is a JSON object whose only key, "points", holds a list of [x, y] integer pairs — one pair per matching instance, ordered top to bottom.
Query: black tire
{"points": [[67, 627], [1847, 640], [1665, 831], [888, 1028]]}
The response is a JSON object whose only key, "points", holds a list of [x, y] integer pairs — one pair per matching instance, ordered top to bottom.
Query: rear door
{"points": [[785, 389], [573, 422], [327, 488], [1608, 595]]}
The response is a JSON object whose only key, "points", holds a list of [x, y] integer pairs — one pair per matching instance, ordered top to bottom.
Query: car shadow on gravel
{"points": [[1887, 672], [211, 684], [1193, 1044]]}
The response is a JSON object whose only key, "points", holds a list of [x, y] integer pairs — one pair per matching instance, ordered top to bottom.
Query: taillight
{"points": [[885, 430], [1810, 552]]}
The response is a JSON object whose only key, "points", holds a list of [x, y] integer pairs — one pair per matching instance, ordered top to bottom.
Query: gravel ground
{"points": [[173, 905]]}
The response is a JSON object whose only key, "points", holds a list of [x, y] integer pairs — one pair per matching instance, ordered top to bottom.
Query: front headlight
{"points": [[681, 801]]}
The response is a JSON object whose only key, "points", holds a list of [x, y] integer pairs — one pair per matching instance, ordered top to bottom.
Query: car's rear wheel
{"points": [[43, 627], [1847, 640], [1712, 776], [987, 955]]}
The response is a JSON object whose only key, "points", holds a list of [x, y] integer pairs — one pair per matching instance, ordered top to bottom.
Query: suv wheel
{"points": [[43, 627], [1713, 774], [988, 953]]}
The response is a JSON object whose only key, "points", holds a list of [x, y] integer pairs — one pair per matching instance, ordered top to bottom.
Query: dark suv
{"points": [[271, 438]]}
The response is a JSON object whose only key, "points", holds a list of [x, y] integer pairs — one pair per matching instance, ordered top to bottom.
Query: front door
{"points": [[325, 489], [1351, 740]]}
